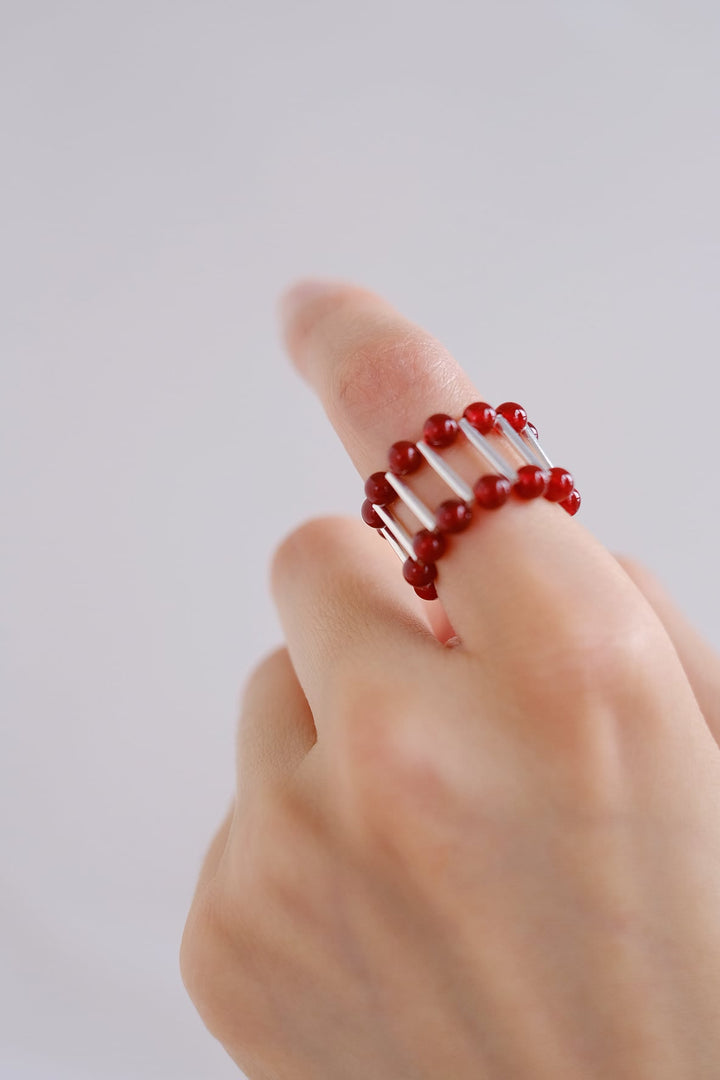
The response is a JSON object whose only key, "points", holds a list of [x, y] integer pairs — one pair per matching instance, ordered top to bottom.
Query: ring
{"points": [[488, 431]]}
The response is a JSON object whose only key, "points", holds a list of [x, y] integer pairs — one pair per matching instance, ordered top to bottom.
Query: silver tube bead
{"points": [[523, 448], [486, 450], [542, 459], [451, 478], [422, 512], [399, 534], [393, 544]]}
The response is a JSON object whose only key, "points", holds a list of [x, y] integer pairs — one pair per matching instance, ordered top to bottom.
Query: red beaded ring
{"points": [[537, 477]]}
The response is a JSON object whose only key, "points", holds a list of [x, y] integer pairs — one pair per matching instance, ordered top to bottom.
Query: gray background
{"points": [[537, 183]]}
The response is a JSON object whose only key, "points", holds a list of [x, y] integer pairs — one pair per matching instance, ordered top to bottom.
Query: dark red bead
{"points": [[514, 414], [481, 416], [533, 429], [440, 430], [404, 458], [531, 482], [560, 485], [378, 490], [492, 491], [572, 503], [453, 516], [370, 517], [429, 546], [419, 573], [426, 592]]}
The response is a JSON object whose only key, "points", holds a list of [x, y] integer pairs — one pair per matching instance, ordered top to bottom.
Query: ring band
{"points": [[488, 431]]}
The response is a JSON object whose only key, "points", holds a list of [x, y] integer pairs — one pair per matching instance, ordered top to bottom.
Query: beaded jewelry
{"points": [[483, 427]]}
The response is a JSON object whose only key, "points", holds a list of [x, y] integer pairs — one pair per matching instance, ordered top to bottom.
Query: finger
{"points": [[375, 372], [513, 571], [347, 614], [699, 659], [276, 728], [274, 734], [215, 851]]}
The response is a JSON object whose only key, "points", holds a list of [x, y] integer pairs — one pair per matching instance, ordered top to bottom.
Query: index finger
{"points": [[379, 376]]}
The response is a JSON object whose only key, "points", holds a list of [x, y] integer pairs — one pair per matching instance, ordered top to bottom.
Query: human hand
{"points": [[482, 847]]}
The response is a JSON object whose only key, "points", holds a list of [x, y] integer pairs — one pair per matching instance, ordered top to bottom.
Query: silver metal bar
{"points": [[485, 448], [526, 452], [542, 459], [451, 478], [422, 512], [401, 535], [393, 544]]}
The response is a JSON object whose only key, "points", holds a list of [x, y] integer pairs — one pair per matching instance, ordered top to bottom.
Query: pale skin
{"points": [[476, 839]]}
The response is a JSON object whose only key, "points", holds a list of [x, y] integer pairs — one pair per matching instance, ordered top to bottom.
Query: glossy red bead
{"points": [[514, 414], [481, 415], [533, 429], [440, 430], [404, 457], [531, 482], [560, 485], [378, 490], [492, 491], [572, 503], [453, 516], [370, 517], [429, 546], [419, 573], [426, 592]]}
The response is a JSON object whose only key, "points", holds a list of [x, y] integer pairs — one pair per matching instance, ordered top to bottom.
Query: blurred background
{"points": [[535, 182]]}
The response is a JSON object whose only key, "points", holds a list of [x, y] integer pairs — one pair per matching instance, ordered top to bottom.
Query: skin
{"points": [[477, 838]]}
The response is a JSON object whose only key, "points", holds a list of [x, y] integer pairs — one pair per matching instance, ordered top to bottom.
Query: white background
{"points": [[535, 182]]}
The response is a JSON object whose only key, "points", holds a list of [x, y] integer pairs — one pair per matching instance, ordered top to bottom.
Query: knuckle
{"points": [[386, 362], [318, 542], [314, 546], [294, 547], [630, 565], [641, 576], [626, 651], [583, 656], [618, 658], [267, 667], [270, 671], [584, 702], [397, 772], [200, 950], [219, 950]]}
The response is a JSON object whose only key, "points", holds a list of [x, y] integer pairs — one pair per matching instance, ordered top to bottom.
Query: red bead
{"points": [[514, 414], [481, 416], [533, 429], [440, 430], [404, 458], [531, 482], [560, 485], [378, 490], [492, 491], [572, 503], [453, 516], [370, 517], [429, 546], [419, 573], [426, 592]]}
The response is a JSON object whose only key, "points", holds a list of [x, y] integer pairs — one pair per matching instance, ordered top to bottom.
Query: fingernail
{"points": [[301, 294]]}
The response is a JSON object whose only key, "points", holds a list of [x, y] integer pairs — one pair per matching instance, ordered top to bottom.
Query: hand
{"points": [[481, 848]]}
